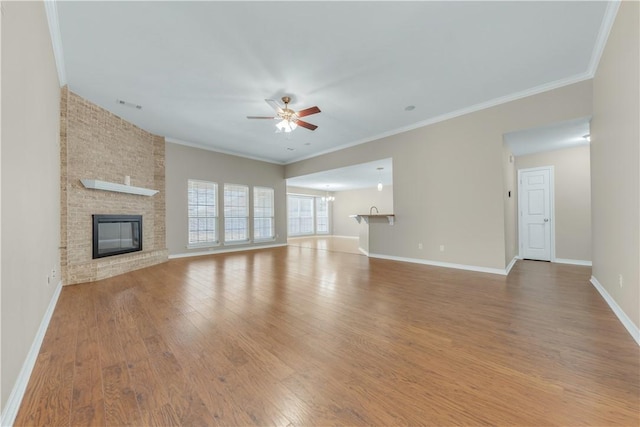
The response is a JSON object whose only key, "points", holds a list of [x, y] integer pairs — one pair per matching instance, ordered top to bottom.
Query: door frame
{"points": [[552, 212]]}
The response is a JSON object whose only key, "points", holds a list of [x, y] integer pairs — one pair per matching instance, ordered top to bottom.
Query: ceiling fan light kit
{"points": [[289, 119], [286, 126]]}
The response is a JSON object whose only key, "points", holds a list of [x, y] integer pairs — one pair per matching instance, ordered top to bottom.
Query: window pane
{"points": [[202, 211], [236, 212], [263, 213], [301, 214], [322, 216]]}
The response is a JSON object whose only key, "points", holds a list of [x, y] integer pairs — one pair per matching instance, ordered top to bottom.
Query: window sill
{"points": [[270, 239], [237, 242], [203, 245]]}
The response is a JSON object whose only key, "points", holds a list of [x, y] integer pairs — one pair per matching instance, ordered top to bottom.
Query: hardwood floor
{"points": [[327, 243], [297, 336]]}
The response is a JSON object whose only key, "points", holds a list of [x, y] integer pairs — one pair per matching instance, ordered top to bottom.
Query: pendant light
{"points": [[380, 178], [327, 197]]}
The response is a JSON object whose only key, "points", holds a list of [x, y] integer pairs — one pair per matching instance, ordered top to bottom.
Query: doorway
{"points": [[536, 217]]}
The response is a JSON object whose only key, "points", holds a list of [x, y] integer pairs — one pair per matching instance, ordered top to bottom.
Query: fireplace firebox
{"points": [[116, 234]]}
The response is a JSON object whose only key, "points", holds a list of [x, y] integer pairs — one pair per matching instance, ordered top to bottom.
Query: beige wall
{"points": [[97, 144], [615, 162], [184, 163], [30, 174], [448, 178], [308, 191], [510, 201], [356, 202], [572, 202]]}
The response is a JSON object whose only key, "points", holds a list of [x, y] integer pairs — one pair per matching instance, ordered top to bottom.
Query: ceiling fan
{"points": [[289, 119]]}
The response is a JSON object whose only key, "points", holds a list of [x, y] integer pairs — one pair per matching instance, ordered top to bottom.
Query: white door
{"points": [[535, 198]]}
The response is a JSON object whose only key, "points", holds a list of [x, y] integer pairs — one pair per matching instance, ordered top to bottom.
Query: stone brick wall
{"points": [[96, 144]]}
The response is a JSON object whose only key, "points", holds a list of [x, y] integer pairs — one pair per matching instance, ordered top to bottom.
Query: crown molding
{"points": [[51, 9], [603, 35], [601, 41], [457, 113], [216, 150]]}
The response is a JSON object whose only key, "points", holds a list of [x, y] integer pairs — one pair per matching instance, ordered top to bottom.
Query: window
{"points": [[202, 204], [300, 210], [236, 213], [263, 213], [322, 216]]}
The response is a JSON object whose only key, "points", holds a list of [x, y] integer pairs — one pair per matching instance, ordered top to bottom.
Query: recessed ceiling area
{"points": [[199, 68], [555, 136], [364, 175]]}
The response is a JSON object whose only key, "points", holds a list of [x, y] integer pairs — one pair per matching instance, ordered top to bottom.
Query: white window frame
{"points": [[269, 193], [317, 202], [199, 212], [229, 217], [313, 219]]}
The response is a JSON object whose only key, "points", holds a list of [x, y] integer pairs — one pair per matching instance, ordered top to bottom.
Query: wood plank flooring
{"points": [[327, 243], [298, 336]]}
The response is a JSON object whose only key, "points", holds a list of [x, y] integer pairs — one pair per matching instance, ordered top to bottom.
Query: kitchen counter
{"points": [[359, 217]]}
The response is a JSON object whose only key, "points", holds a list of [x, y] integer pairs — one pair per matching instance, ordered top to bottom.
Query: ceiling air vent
{"points": [[129, 104]]}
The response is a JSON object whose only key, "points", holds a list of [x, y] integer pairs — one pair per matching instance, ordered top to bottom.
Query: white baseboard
{"points": [[320, 236], [215, 250], [363, 251], [572, 261], [511, 264], [500, 271], [622, 316], [10, 410]]}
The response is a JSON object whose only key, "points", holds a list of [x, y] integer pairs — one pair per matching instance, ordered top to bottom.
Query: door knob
{"points": [[546, 220]]}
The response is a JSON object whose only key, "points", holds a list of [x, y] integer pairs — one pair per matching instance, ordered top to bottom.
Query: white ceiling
{"points": [[199, 68], [554, 136], [364, 175]]}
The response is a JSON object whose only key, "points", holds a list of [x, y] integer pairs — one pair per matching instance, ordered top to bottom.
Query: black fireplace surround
{"points": [[116, 234]]}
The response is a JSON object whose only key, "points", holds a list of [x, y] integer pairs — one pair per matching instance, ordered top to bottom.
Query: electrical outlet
{"points": [[419, 245], [441, 248], [620, 280]]}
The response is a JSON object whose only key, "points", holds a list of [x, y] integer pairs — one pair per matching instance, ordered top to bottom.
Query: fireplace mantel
{"points": [[118, 188]]}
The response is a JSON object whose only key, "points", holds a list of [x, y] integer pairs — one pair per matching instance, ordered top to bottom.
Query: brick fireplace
{"points": [[96, 144]]}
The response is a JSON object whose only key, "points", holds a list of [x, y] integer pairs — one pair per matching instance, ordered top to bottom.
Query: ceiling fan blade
{"points": [[274, 105], [308, 111], [260, 117], [306, 125]]}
